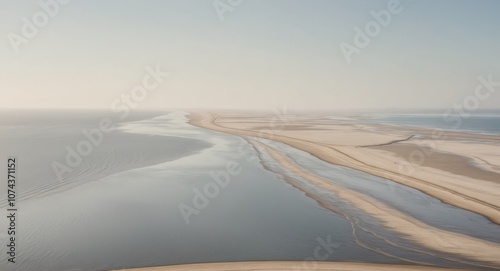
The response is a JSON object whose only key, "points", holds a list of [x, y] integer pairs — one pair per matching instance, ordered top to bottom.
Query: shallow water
{"points": [[488, 124], [406, 199], [132, 217], [371, 232]]}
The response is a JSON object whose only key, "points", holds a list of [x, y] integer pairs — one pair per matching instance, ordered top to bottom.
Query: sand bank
{"points": [[342, 143], [479, 196], [417, 231], [281, 266]]}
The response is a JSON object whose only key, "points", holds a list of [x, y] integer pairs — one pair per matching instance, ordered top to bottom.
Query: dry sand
{"points": [[342, 144], [371, 149], [417, 231], [289, 266]]}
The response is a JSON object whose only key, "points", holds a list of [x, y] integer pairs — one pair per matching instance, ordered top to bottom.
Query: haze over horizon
{"points": [[263, 55]]}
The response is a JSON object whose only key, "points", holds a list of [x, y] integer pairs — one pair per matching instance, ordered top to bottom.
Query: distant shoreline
{"points": [[289, 266]]}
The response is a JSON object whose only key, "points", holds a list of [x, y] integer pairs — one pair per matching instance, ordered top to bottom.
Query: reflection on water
{"points": [[403, 198], [132, 218], [368, 231]]}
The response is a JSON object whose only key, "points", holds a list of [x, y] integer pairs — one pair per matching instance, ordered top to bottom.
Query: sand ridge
{"points": [[364, 160], [483, 199], [419, 232], [289, 266]]}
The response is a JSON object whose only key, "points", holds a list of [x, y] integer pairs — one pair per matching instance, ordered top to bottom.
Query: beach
{"points": [[232, 135], [364, 149], [468, 181], [261, 193], [275, 266]]}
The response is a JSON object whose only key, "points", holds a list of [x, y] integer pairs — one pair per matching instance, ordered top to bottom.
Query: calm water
{"points": [[489, 124], [403, 198], [130, 217]]}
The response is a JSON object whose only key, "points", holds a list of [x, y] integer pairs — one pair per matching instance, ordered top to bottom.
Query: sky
{"points": [[249, 54]]}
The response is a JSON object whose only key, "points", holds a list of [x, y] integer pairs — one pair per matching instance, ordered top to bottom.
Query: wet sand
{"points": [[342, 144], [346, 145], [41, 148], [449, 162], [417, 231], [275, 266]]}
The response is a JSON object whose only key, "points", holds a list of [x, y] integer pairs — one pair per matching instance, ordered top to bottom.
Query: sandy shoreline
{"points": [[341, 144], [449, 162], [419, 232], [288, 265]]}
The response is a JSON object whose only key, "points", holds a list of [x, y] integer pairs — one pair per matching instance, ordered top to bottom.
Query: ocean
{"points": [[487, 124]]}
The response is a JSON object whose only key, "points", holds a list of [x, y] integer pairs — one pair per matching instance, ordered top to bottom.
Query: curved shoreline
{"points": [[340, 157], [421, 233], [288, 265]]}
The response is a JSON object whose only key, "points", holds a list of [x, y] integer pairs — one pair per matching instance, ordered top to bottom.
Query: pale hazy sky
{"points": [[264, 54]]}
